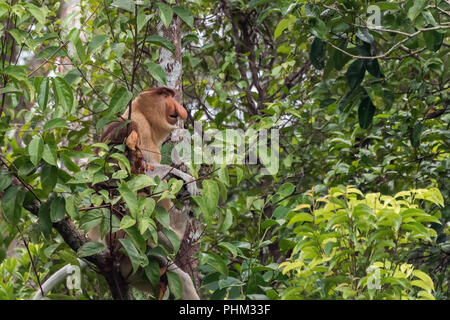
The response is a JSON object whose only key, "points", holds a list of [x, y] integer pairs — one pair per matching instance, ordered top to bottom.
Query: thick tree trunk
{"points": [[172, 65]]}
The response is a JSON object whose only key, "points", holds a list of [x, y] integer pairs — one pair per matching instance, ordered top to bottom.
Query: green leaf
{"points": [[255, 3], [126, 5], [384, 5], [4, 9], [416, 9], [311, 10], [39, 13], [165, 13], [185, 15], [141, 20], [282, 25], [318, 28], [18, 35], [364, 35], [74, 37], [433, 40], [160, 41], [96, 42], [118, 49], [52, 51], [317, 53], [339, 58], [373, 67], [16, 72], [157, 72], [355, 73], [10, 89], [63, 93], [42, 94], [119, 101], [366, 112], [55, 123], [415, 134], [35, 149], [49, 154], [122, 160], [121, 174], [49, 175], [5, 180], [141, 181], [175, 185], [286, 190], [433, 195], [130, 198], [209, 200], [12, 201], [149, 206], [71, 207], [57, 209], [162, 216], [301, 217], [90, 219], [44, 222], [127, 222], [227, 222], [268, 223], [145, 224], [416, 228], [136, 237], [173, 238], [230, 247], [90, 248], [48, 251], [137, 259], [216, 262], [152, 272], [425, 278], [229, 282], [421, 284], [175, 285]]}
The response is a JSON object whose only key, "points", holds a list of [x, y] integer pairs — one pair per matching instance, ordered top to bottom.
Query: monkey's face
{"points": [[161, 109]]}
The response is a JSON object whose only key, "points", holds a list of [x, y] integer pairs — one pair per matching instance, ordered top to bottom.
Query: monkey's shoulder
{"points": [[116, 132]]}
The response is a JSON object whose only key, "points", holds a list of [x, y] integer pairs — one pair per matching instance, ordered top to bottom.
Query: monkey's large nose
{"points": [[181, 111]]}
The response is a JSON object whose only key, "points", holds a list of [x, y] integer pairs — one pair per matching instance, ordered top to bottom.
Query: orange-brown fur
{"points": [[154, 115]]}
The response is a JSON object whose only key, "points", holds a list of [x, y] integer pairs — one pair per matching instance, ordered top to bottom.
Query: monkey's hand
{"points": [[132, 140]]}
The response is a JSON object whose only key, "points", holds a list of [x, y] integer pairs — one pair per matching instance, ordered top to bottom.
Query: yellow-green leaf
{"points": [[301, 217], [425, 278]]}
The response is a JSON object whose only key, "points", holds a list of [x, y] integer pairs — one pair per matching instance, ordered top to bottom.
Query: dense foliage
{"points": [[360, 98]]}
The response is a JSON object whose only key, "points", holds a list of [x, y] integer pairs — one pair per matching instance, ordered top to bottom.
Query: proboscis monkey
{"points": [[154, 116]]}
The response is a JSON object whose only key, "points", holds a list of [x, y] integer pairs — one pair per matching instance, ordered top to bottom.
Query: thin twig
{"points": [[114, 38], [63, 45], [384, 55], [96, 207], [31, 259]]}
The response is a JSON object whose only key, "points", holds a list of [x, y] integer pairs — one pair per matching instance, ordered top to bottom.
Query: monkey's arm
{"points": [[117, 132], [133, 140]]}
